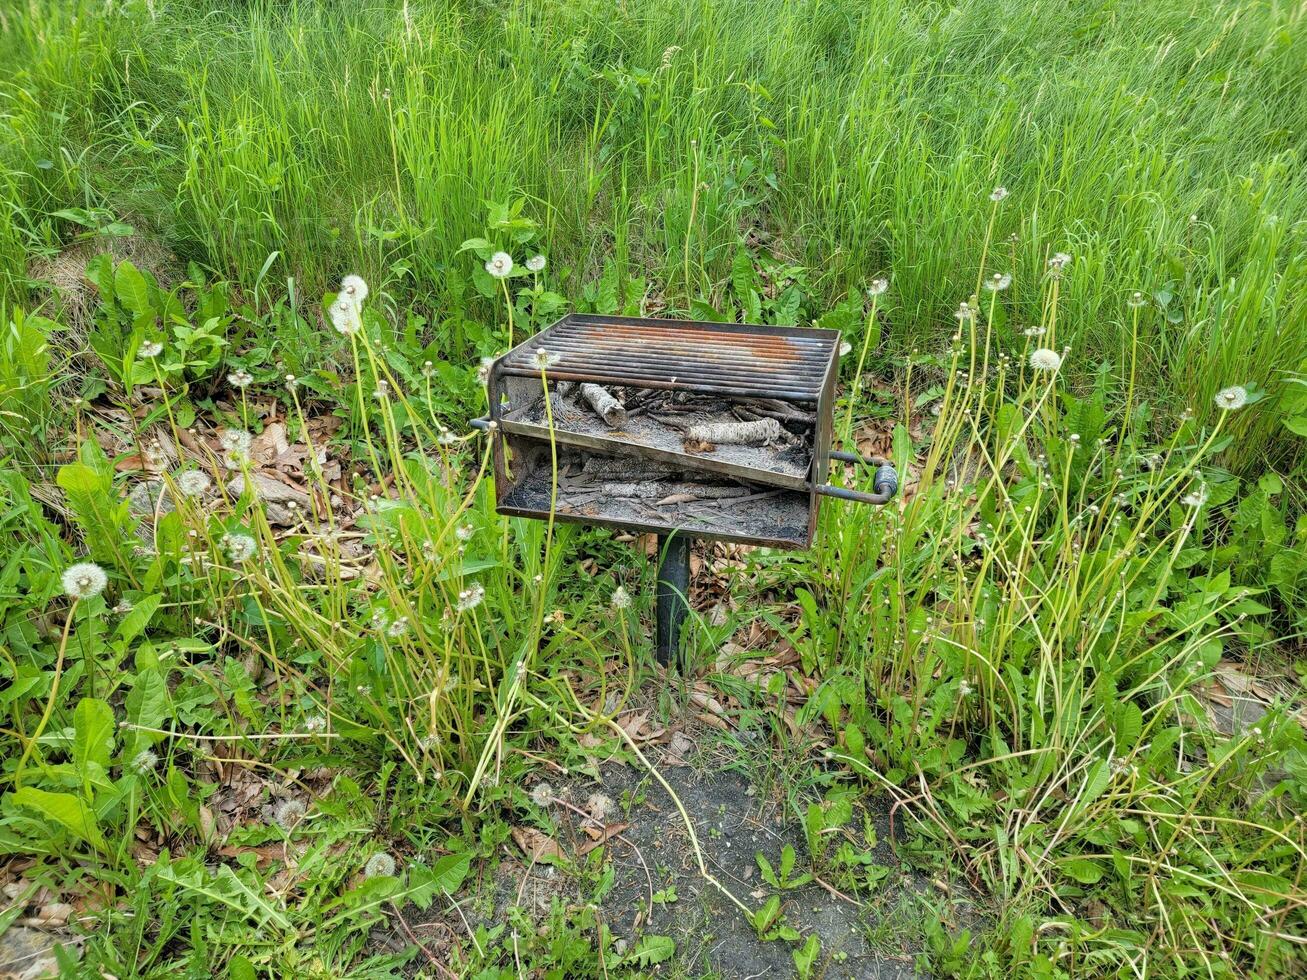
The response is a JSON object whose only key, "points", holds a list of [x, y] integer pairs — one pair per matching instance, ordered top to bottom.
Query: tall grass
{"points": [[1159, 145]]}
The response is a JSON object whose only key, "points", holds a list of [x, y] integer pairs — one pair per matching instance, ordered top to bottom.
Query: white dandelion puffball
{"points": [[998, 193], [1059, 261], [536, 263], [500, 265], [998, 282], [878, 286], [355, 288], [1136, 300], [345, 317], [150, 348], [845, 349], [544, 360], [1045, 360], [483, 370], [240, 378], [1231, 398], [193, 483], [1195, 498], [465, 532], [239, 547], [84, 580], [470, 598], [621, 598], [315, 723], [143, 762], [542, 794], [288, 813], [380, 865]]}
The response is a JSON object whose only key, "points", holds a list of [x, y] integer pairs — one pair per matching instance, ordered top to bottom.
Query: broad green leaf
{"points": [[131, 288], [81, 479], [138, 618], [147, 705], [93, 729], [68, 811], [1083, 870], [444, 877], [225, 888], [651, 950]]}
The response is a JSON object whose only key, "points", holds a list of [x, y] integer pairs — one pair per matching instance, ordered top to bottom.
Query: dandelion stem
{"points": [[50, 701]]}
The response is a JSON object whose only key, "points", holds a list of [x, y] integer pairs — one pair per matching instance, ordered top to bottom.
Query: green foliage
{"points": [[1017, 654]]}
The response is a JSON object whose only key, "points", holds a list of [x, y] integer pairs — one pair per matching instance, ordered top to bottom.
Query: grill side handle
{"points": [[885, 482]]}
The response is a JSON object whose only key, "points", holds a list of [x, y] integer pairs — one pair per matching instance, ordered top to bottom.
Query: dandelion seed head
{"points": [[998, 193], [536, 263], [1057, 263], [500, 265], [998, 282], [878, 286], [355, 288], [1136, 300], [964, 311], [345, 316], [150, 348], [1044, 359], [544, 360], [428, 369], [483, 370], [240, 378], [382, 391], [1231, 398], [446, 438], [236, 443], [193, 483], [1195, 498], [465, 532], [239, 547], [84, 580], [471, 597], [621, 598], [398, 628], [315, 723], [143, 762], [541, 794], [288, 813], [380, 865]]}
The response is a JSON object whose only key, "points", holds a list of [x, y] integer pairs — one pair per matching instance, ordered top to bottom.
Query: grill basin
{"points": [[649, 468]]}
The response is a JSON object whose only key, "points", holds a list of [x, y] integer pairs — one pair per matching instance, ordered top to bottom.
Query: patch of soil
{"points": [[647, 846], [711, 935]]}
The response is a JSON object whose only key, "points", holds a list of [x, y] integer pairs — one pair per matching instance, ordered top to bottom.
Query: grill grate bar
{"points": [[709, 358], [680, 365], [675, 382]]}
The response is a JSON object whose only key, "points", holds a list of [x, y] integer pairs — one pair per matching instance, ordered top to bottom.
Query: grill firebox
{"points": [[680, 428]]}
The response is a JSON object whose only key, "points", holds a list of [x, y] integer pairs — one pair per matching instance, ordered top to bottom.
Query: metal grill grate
{"points": [[712, 358]]}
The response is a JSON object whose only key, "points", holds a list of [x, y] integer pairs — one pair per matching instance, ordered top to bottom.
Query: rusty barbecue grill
{"points": [[680, 428]]}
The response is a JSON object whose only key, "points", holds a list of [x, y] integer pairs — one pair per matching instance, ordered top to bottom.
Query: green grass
{"points": [[1163, 147], [1015, 655]]}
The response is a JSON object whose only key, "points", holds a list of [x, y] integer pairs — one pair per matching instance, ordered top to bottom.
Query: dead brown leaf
{"points": [[599, 837], [536, 844]]}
